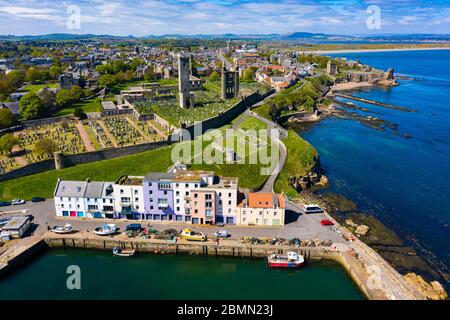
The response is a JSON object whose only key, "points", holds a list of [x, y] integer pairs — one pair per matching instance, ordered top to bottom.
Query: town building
{"points": [[179, 195], [262, 209], [15, 227]]}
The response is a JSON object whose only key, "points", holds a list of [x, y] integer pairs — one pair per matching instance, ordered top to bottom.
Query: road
{"points": [[299, 225]]}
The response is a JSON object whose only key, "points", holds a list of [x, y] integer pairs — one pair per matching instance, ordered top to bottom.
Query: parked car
{"points": [[37, 199], [16, 202], [4, 204], [312, 208], [326, 223], [133, 227], [221, 234]]}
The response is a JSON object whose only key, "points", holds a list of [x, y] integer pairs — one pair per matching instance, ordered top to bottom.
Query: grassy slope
{"points": [[300, 160]]}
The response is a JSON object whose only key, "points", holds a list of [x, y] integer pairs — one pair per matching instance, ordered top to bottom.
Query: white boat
{"points": [[63, 230], [106, 230], [123, 253], [292, 260]]}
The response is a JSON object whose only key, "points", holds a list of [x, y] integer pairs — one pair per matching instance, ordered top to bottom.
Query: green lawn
{"points": [[36, 87], [90, 105], [263, 111], [252, 124], [158, 160], [300, 160]]}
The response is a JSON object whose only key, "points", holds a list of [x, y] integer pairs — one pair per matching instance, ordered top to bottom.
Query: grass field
{"points": [[36, 87], [90, 105], [263, 111], [252, 124]]}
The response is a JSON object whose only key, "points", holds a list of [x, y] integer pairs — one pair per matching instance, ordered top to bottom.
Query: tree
{"points": [[55, 71], [149, 74], [33, 75], [248, 75], [214, 76], [107, 80], [77, 93], [47, 97], [64, 98], [31, 107], [79, 113], [6, 118], [7, 142], [44, 146]]}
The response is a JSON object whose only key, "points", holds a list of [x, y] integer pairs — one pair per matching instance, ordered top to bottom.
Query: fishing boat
{"points": [[63, 230], [106, 230], [190, 235], [123, 253], [292, 260]]}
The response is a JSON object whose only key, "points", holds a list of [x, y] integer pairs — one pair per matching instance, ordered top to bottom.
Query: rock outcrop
{"points": [[375, 77], [433, 290]]}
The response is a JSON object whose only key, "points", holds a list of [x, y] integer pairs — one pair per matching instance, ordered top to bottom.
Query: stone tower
{"points": [[331, 68], [184, 83], [230, 84]]}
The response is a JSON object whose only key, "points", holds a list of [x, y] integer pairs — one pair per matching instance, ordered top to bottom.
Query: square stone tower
{"points": [[184, 83], [230, 84]]}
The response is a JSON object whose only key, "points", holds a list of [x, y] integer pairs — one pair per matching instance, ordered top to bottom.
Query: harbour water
{"points": [[403, 181], [157, 277]]}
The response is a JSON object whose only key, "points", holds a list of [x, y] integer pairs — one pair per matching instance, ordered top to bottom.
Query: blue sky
{"points": [[145, 17]]}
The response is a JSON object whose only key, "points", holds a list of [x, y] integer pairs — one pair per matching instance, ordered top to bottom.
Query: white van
{"points": [[312, 208]]}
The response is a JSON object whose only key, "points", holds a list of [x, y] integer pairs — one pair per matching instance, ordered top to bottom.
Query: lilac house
{"points": [[158, 197]]}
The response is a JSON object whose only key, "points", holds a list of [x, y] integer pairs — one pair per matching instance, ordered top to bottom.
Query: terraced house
{"points": [[196, 197]]}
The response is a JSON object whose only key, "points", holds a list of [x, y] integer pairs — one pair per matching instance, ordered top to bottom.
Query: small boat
{"points": [[63, 230], [106, 230], [190, 235], [123, 253], [292, 261]]}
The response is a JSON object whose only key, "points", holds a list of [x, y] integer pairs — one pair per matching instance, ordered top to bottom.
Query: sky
{"points": [[157, 17]]}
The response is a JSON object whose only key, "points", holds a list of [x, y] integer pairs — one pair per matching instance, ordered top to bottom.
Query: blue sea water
{"points": [[404, 182]]}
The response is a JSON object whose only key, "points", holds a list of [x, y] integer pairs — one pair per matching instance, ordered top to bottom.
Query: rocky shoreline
{"points": [[366, 226]]}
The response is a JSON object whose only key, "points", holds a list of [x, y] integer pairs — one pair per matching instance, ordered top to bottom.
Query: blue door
{"points": [[65, 213], [80, 214]]}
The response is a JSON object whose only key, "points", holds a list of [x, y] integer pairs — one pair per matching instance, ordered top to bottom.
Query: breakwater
{"points": [[376, 103]]}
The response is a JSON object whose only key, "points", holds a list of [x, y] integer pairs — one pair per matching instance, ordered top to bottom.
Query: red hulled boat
{"points": [[292, 260]]}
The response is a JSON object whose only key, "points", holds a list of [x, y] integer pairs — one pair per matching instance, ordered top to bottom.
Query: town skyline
{"points": [[143, 18]]}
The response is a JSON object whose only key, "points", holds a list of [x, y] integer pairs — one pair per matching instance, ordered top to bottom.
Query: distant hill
{"points": [[295, 36]]}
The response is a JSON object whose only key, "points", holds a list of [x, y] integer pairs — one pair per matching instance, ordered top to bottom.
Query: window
{"points": [[150, 184], [164, 185], [177, 185], [186, 185], [196, 185], [121, 191], [135, 192], [150, 192], [165, 193], [178, 193], [187, 193], [220, 194], [195, 195], [229, 195], [208, 197], [125, 199], [136, 199], [178, 200], [162, 202], [220, 202], [229, 203], [208, 204], [62, 205], [92, 207], [137, 207], [151, 207], [178, 209], [196, 211], [208, 213], [257, 221], [266, 222]]}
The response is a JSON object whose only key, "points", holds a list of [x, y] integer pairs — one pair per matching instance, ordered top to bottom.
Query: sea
{"points": [[401, 176]]}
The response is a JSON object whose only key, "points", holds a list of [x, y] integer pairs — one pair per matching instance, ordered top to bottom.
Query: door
{"points": [[73, 213], [230, 220], [195, 221]]}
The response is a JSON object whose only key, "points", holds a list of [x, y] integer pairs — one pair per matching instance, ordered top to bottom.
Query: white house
{"points": [[129, 197], [69, 198]]}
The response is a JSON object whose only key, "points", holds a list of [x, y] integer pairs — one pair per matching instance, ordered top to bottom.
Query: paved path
{"points": [[84, 136], [270, 182]]}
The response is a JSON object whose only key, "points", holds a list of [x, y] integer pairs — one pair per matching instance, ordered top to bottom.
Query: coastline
{"points": [[372, 50]]}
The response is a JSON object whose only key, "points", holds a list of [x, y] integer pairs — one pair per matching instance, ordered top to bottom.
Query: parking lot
{"points": [[299, 225]]}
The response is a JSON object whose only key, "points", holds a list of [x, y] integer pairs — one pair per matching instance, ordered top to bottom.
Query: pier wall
{"points": [[210, 249], [16, 259]]}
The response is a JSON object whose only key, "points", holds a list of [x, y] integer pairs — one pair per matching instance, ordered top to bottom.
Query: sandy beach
{"points": [[350, 86]]}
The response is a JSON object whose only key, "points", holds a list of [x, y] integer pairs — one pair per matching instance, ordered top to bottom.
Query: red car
{"points": [[326, 223]]}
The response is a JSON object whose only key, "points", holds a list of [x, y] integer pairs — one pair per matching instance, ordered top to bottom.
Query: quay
{"points": [[377, 103], [373, 276]]}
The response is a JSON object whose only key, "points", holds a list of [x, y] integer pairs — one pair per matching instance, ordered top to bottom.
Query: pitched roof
{"points": [[74, 189], [94, 189], [265, 200]]}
